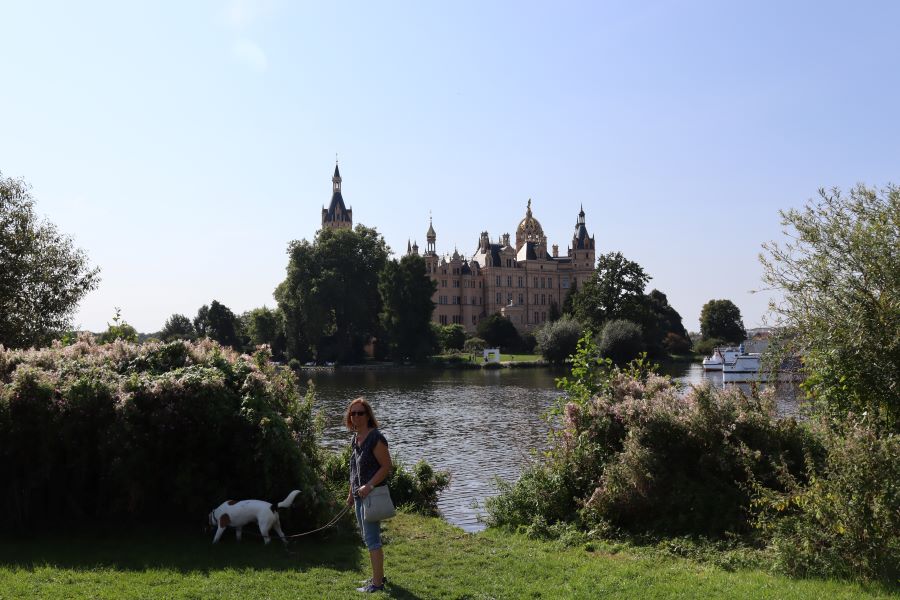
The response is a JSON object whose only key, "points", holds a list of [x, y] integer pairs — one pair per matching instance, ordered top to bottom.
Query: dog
{"points": [[234, 513]]}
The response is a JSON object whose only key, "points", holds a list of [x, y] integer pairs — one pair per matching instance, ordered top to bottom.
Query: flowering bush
{"points": [[128, 433], [632, 453], [846, 520]]}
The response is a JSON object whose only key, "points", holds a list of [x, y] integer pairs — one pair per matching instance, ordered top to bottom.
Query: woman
{"points": [[370, 464]]}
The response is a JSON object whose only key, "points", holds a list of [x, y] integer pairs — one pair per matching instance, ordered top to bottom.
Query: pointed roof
{"points": [[337, 172], [431, 234]]}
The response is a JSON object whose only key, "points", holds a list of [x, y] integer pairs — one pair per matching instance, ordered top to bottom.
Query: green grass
{"points": [[425, 558]]}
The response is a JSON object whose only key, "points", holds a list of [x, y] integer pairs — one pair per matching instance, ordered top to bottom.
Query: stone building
{"points": [[337, 215], [520, 281]]}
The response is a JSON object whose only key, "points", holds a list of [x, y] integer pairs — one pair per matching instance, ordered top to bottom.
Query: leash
{"points": [[333, 521]]}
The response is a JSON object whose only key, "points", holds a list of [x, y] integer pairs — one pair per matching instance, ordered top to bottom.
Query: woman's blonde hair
{"points": [[373, 422]]}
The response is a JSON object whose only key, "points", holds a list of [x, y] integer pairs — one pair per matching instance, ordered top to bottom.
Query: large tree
{"points": [[43, 276], [840, 276], [406, 291], [615, 291], [330, 297], [721, 320], [218, 323], [264, 326], [177, 327], [500, 332]]}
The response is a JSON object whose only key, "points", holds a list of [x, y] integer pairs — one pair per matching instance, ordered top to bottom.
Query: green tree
{"points": [[43, 276], [840, 278], [406, 291], [616, 291], [330, 296], [722, 319], [218, 323], [265, 326], [177, 327], [663, 328], [119, 329], [499, 331], [452, 337], [558, 340], [621, 341]]}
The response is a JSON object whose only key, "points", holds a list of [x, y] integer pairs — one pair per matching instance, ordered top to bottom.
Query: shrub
{"points": [[498, 331], [452, 337], [558, 341], [620, 341], [474, 345], [706, 347], [125, 433], [633, 454], [417, 489], [846, 521]]}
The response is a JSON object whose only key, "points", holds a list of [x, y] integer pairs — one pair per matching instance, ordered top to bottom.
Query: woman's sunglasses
{"points": [[357, 413]]}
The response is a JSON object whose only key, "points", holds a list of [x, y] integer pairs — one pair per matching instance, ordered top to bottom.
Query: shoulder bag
{"points": [[378, 506]]}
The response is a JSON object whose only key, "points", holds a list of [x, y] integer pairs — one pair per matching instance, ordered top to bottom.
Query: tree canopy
{"points": [[43, 276], [840, 276], [406, 291], [616, 291], [330, 296], [721, 319], [218, 323], [177, 327], [497, 330]]}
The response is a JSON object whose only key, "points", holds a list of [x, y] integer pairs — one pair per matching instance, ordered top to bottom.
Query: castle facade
{"points": [[520, 281]]}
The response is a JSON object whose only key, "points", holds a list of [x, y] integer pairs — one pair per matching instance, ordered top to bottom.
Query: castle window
{"points": [[498, 281], [509, 281], [520, 282], [535, 282], [543, 282], [549, 282], [443, 283], [456, 283], [564, 283], [498, 298], [509, 298], [521, 299], [543, 299], [536, 315], [543, 316], [443, 319], [474, 319]]}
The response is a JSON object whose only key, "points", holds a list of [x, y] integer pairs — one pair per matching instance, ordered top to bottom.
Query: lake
{"points": [[478, 424]]}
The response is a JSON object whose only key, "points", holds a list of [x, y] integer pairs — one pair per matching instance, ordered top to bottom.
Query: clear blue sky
{"points": [[184, 144]]}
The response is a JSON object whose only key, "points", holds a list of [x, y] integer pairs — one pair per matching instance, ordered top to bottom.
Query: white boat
{"points": [[719, 357], [743, 367]]}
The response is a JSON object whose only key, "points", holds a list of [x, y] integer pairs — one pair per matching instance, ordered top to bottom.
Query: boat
{"points": [[719, 357], [743, 367]]}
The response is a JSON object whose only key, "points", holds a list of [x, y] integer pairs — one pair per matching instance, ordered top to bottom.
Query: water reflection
{"points": [[477, 424]]}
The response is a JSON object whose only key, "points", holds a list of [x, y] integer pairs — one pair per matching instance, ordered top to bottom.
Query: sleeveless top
{"points": [[363, 464]]}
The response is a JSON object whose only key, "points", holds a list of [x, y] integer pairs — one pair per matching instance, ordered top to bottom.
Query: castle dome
{"points": [[529, 226]]}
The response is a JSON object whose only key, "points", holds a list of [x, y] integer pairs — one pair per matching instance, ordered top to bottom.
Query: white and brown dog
{"points": [[234, 513]]}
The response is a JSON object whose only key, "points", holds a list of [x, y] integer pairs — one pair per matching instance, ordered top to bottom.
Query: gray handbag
{"points": [[378, 506]]}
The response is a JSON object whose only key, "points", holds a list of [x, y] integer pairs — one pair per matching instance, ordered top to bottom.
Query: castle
{"points": [[521, 282]]}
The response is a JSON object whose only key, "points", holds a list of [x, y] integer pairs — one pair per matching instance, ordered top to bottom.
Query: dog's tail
{"points": [[287, 502]]}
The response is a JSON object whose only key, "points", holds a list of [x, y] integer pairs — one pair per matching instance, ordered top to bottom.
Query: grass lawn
{"points": [[425, 558]]}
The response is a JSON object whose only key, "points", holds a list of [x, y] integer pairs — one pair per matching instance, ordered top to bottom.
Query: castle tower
{"points": [[337, 216], [430, 238], [582, 252]]}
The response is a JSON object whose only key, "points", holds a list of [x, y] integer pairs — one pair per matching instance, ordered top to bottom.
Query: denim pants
{"points": [[370, 532]]}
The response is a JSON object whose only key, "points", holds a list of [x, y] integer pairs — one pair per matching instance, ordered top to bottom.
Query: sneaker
{"points": [[369, 580], [371, 588]]}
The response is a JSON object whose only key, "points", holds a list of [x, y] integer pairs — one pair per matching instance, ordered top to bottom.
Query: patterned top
{"points": [[363, 464]]}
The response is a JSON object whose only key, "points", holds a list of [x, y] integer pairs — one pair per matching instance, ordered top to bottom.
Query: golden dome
{"points": [[529, 228]]}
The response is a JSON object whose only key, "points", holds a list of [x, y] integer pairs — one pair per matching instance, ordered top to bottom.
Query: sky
{"points": [[184, 145]]}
